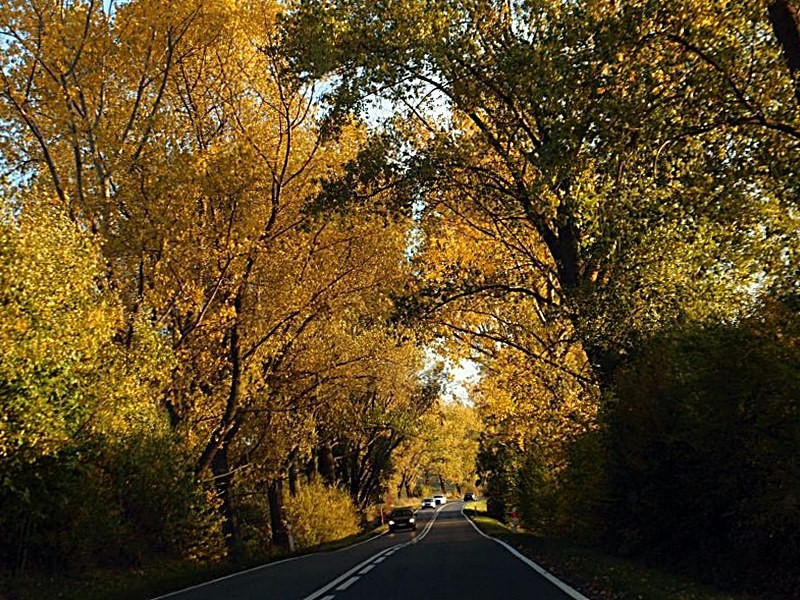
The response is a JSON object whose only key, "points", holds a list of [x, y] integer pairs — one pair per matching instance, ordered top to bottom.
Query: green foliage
{"points": [[607, 178], [362, 179], [648, 197], [55, 329], [703, 432], [498, 469], [91, 473], [107, 502], [163, 509], [320, 514]]}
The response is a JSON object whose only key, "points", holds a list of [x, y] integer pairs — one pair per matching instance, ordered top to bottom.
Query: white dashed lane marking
{"points": [[369, 564], [365, 570], [347, 584]]}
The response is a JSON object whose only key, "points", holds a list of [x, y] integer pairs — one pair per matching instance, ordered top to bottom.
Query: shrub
{"points": [[703, 437], [90, 473], [319, 514]]}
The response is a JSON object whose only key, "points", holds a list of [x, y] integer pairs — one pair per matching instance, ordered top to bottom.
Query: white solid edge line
{"points": [[369, 539], [285, 560], [264, 566], [224, 577], [338, 580], [570, 591]]}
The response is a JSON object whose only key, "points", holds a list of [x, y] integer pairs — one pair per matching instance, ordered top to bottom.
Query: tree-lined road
{"points": [[445, 558]]}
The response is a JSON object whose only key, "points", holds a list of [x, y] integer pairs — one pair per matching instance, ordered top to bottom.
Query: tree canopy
{"points": [[235, 236]]}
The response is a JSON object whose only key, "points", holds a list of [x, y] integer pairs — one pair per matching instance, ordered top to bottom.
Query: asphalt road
{"points": [[445, 558]]}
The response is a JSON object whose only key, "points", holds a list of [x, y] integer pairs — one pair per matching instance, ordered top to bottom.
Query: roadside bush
{"points": [[702, 439], [693, 463], [498, 467], [90, 472], [538, 492], [105, 503], [160, 504], [56, 514], [320, 514], [252, 518]]}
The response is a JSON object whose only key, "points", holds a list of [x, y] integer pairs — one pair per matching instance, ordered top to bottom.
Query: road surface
{"points": [[445, 558]]}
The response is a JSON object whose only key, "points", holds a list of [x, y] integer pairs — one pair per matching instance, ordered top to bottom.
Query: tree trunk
{"points": [[786, 25], [604, 363], [230, 419], [326, 466], [354, 473], [292, 476], [222, 484], [441, 484], [403, 485], [277, 517]]}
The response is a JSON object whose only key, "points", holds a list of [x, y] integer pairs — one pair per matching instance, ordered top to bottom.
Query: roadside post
{"points": [[514, 519], [290, 536]]}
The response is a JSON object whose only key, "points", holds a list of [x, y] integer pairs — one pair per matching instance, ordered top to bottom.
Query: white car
{"points": [[440, 499], [428, 503]]}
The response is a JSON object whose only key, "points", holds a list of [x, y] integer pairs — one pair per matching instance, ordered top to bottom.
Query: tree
{"points": [[786, 27], [662, 128], [589, 175], [202, 192], [57, 331], [700, 437], [84, 444], [453, 445]]}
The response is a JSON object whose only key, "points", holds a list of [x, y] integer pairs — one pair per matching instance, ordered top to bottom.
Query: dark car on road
{"points": [[469, 497], [402, 518]]}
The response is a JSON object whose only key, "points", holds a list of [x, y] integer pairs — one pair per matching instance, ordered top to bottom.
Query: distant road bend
{"points": [[447, 557]]}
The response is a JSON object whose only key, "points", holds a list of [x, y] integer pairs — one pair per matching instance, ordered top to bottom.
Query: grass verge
{"points": [[597, 575], [149, 581]]}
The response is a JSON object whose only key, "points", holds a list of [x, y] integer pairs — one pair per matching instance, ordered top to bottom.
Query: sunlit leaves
{"points": [[180, 138], [55, 332], [63, 365]]}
